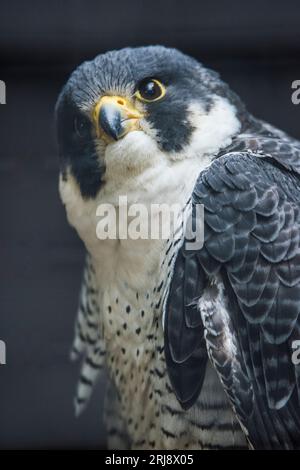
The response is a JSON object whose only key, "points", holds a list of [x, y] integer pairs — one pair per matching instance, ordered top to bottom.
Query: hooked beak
{"points": [[114, 117]]}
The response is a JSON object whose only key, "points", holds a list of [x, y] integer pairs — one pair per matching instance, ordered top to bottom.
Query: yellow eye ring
{"points": [[150, 90]]}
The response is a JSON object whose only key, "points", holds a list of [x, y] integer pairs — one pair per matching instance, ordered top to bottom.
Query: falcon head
{"points": [[131, 110]]}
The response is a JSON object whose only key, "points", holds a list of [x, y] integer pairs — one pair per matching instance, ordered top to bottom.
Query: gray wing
{"points": [[248, 272], [88, 342], [185, 347]]}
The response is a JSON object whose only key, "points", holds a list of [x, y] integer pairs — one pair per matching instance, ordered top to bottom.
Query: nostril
{"points": [[121, 102]]}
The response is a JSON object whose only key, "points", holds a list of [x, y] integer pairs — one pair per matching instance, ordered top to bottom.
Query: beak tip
{"points": [[110, 122], [115, 137]]}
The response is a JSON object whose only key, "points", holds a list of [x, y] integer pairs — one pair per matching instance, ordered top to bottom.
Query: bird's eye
{"points": [[150, 89], [81, 126]]}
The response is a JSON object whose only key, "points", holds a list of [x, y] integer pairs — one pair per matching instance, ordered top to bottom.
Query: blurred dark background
{"points": [[256, 48]]}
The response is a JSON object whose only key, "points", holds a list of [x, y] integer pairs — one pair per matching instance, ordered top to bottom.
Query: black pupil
{"points": [[149, 90]]}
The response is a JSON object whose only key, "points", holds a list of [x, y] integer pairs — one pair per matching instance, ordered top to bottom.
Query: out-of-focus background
{"points": [[255, 46]]}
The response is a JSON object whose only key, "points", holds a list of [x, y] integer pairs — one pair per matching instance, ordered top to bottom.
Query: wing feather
{"points": [[251, 248]]}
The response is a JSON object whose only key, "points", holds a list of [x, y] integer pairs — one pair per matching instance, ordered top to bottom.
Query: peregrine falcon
{"points": [[197, 343]]}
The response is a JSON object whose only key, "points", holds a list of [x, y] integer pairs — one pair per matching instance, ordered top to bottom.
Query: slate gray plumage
{"points": [[252, 226]]}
